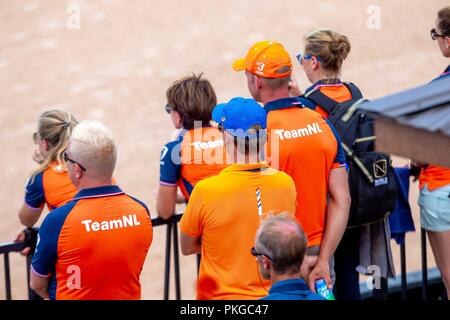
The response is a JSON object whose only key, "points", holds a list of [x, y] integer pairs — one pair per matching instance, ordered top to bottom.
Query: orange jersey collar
{"points": [[247, 167], [98, 192]]}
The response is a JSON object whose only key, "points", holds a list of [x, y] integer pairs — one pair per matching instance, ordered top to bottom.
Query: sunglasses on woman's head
{"points": [[301, 57]]}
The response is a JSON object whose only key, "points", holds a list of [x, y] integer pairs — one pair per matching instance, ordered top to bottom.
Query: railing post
{"points": [[30, 241], [423, 245], [199, 257], [167, 261], [176, 262], [403, 271], [7, 277], [383, 292]]}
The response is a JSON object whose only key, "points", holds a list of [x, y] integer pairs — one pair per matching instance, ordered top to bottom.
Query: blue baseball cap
{"points": [[238, 115]]}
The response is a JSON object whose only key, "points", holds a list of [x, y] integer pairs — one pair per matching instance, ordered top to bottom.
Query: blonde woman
{"points": [[322, 58], [49, 184]]}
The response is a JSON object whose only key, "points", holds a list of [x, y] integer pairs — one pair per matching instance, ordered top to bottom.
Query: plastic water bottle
{"points": [[322, 289]]}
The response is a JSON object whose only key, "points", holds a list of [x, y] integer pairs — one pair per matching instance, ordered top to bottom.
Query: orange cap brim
{"points": [[239, 65]]}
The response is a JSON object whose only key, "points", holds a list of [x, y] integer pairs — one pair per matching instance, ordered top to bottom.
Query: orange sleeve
{"points": [[337, 165], [293, 196], [191, 223]]}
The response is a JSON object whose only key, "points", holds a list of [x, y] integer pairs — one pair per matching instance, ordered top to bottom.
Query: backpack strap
{"points": [[354, 91], [321, 100], [305, 102], [329, 104], [351, 154]]}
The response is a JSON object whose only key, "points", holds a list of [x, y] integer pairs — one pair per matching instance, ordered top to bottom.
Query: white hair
{"points": [[92, 145]]}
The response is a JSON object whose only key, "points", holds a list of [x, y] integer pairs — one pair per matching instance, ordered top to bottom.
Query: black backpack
{"points": [[372, 183]]}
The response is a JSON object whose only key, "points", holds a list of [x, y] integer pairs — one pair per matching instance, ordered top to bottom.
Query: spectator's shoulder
{"points": [[307, 103], [172, 144], [169, 147], [283, 177], [208, 183], [139, 202], [56, 218], [276, 296], [314, 296]]}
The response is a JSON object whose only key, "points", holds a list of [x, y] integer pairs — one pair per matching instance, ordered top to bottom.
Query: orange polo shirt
{"points": [[302, 143], [195, 155], [52, 187], [225, 211], [94, 247]]}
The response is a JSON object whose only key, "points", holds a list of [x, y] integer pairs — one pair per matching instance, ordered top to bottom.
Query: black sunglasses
{"points": [[435, 35], [168, 108], [66, 158], [256, 253]]}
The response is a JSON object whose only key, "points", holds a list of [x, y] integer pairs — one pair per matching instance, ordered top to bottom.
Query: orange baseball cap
{"points": [[268, 59]]}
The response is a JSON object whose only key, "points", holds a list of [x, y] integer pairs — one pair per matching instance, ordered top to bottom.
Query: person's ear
{"points": [[447, 42], [314, 63], [258, 82], [178, 121], [45, 145], [78, 171], [266, 263]]}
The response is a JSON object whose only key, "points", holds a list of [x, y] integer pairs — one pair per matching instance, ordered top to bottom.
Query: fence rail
{"points": [[172, 249]]}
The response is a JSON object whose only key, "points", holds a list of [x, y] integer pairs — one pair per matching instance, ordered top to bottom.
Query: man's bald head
{"points": [[282, 239]]}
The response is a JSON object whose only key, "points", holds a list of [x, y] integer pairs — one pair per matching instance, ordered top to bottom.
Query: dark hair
{"points": [[444, 21], [193, 98], [245, 145]]}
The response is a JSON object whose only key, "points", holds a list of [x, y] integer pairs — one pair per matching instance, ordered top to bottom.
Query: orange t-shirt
{"points": [[304, 145], [434, 176], [225, 211]]}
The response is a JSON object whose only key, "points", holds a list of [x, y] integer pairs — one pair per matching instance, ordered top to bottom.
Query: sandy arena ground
{"points": [[117, 66]]}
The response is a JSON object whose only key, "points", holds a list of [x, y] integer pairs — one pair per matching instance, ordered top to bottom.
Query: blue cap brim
{"points": [[218, 113]]}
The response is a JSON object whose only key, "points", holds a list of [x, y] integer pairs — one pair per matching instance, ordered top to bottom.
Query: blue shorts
{"points": [[435, 209]]}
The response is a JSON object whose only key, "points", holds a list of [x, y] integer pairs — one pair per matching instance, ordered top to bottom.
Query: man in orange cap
{"points": [[305, 145]]}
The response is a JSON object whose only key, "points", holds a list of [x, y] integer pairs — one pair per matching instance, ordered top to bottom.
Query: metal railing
{"points": [[31, 238], [9, 247], [172, 248], [403, 284]]}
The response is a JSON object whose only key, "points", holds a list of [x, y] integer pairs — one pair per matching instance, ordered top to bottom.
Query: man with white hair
{"points": [[94, 247]]}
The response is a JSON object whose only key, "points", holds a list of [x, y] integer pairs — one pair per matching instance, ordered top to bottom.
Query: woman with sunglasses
{"points": [[441, 34], [323, 55], [322, 58], [198, 152], [434, 181], [49, 184]]}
